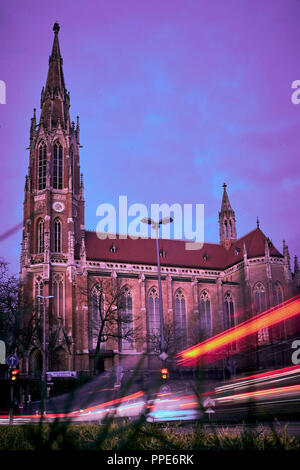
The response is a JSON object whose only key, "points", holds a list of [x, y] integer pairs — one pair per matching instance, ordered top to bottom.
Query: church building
{"points": [[205, 291]]}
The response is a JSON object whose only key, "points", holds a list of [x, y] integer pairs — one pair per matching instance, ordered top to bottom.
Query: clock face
{"points": [[58, 206]]}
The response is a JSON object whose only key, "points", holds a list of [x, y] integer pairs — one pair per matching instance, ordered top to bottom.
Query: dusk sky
{"points": [[174, 97]]}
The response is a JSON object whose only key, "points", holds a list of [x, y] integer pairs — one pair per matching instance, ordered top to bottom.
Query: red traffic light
{"points": [[164, 373], [14, 374]]}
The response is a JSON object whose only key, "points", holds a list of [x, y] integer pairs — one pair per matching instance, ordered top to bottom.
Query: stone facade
{"points": [[206, 291]]}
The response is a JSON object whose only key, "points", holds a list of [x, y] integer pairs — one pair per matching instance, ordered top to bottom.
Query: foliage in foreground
{"points": [[112, 436]]}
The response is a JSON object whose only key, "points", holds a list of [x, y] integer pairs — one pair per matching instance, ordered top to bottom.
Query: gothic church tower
{"points": [[53, 209]]}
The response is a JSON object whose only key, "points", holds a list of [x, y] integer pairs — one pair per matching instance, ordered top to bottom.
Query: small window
{"points": [[72, 165], [42, 166], [57, 166], [40, 236], [57, 236], [39, 290], [277, 293], [259, 294], [259, 298], [98, 313], [205, 314], [154, 318], [180, 319], [127, 320], [229, 320]]}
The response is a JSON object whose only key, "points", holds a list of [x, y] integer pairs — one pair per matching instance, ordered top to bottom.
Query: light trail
{"points": [[267, 319], [284, 370], [260, 379], [260, 393], [82, 412]]}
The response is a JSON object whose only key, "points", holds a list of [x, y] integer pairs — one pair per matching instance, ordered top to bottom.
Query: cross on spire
{"points": [[56, 27]]}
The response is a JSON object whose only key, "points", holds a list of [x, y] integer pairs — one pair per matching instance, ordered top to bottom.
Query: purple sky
{"points": [[174, 98]]}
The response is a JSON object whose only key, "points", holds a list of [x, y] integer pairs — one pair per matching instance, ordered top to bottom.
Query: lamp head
{"points": [[166, 220], [148, 221]]}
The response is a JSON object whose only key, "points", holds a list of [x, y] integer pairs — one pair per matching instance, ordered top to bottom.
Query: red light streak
{"points": [[263, 320], [269, 373], [258, 393], [113, 402], [192, 403], [84, 411]]}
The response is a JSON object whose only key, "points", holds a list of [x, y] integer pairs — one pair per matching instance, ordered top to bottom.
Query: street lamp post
{"points": [[155, 226], [44, 298]]}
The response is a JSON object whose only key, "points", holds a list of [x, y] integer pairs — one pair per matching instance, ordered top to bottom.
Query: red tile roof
{"points": [[143, 251]]}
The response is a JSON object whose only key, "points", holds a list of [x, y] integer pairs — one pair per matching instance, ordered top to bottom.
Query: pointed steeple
{"points": [[55, 78], [55, 100], [225, 200], [227, 223]]}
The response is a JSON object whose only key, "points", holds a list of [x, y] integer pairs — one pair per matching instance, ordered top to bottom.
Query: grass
{"points": [[141, 436]]}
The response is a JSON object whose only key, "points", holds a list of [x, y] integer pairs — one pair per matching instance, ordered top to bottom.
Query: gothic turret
{"points": [[227, 223], [287, 262], [296, 265]]}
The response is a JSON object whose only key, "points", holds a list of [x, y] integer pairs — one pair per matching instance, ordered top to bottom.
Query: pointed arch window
{"points": [[42, 165], [57, 165], [72, 165], [226, 229], [40, 233], [57, 236], [39, 290], [277, 293], [259, 294], [59, 296], [259, 298], [153, 308], [97, 313], [205, 314], [180, 319], [229, 319], [127, 320], [280, 331]]}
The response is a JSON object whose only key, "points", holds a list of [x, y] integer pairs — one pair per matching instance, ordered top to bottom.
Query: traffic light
{"points": [[164, 373], [14, 374]]}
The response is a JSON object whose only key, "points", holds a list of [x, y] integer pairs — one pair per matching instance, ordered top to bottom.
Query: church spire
{"points": [[55, 79], [55, 100], [225, 200], [227, 223]]}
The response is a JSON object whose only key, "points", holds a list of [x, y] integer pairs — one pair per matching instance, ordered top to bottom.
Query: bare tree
{"points": [[110, 304], [19, 322], [175, 339]]}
